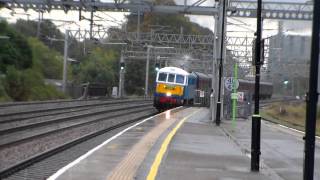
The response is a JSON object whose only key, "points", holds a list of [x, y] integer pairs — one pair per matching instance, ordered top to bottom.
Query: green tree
{"points": [[47, 30], [49, 33], [15, 51], [46, 61], [24, 63], [100, 67], [135, 77]]}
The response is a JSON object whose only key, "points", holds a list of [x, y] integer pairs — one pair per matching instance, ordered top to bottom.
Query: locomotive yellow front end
{"points": [[169, 90]]}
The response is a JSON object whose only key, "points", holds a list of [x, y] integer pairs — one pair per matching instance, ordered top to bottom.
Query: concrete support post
{"points": [[222, 11], [91, 20], [91, 23], [39, 24], [138, 26], [65, 62], [147, 72], [214, 72], [121, 77]]}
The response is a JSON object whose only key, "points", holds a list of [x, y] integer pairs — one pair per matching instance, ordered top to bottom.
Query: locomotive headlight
{"points": [[168, 93]]}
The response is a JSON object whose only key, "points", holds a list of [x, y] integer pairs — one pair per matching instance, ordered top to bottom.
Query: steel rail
{"points": [[27, 103], [7, 115], [65, 118], [8, 142], [39, 157]]}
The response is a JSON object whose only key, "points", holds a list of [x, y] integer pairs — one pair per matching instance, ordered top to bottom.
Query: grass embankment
{"points": [[291, 114]]}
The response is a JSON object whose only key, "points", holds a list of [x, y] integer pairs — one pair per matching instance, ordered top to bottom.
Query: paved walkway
{"points": [[281, 148], [202, 151]]}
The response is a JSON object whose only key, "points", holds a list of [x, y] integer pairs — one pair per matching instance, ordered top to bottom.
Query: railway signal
{"points": [[122, 65], [157, 66]]}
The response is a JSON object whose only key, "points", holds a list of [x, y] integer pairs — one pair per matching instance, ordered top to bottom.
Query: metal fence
{"points": [[202, 99], [243, 108]]}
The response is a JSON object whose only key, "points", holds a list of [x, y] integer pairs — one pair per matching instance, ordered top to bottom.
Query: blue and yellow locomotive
{"points": [[175, 87]]}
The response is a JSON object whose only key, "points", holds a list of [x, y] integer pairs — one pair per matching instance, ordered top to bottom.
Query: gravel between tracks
{"points": [[89, 111], [11, 154], [47, 167]]}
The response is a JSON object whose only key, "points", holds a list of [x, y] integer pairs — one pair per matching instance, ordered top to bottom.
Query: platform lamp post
{"points": [[312, 97], [256, 118]]}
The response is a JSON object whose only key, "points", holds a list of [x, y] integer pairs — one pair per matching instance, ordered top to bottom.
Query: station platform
{"points": [[182, 144]]}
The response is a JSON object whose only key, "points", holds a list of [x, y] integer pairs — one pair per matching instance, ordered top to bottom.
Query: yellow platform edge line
{"points": [[156, 163]]}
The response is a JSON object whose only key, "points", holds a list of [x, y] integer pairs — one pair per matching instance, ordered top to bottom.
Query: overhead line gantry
{"points": [[237, 8]]}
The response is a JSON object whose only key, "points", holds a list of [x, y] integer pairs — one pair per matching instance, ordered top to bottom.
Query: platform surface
{"points": [[282, 148], [198, 150]]}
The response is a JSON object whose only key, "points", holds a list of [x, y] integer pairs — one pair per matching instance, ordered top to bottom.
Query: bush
{"points": [[15, 84], [29, 85], [45, 92], [3, 94]]}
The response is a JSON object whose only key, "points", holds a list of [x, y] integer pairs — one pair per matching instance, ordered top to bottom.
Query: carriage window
{"points": [[162, 77], [171, 78], [180, 79]]}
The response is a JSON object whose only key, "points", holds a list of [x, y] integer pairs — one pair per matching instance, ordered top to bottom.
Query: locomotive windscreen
{"points": [[162, 77]]}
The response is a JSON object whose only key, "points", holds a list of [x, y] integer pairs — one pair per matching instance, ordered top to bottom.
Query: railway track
{"points": [[268, 102], [8, 104], [18, 113], [39, 138]]}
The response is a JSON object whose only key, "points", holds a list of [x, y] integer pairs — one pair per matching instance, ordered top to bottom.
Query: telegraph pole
{"points": [[40, 17], [222, 18], [91, 22], [138, 26], [65, 61], [147, 71], [120, 94], [312, 97], [256, 118]]}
